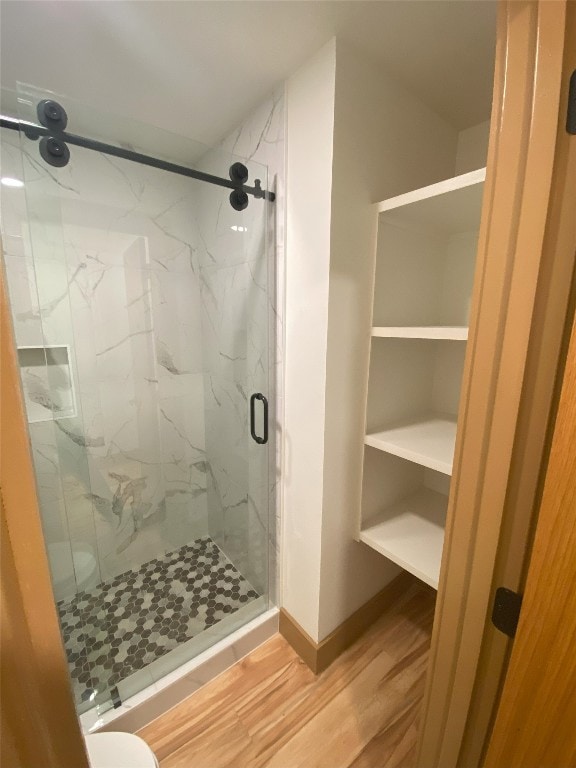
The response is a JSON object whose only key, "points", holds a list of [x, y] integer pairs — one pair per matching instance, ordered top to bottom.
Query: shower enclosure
{"points": [[141, 301]]}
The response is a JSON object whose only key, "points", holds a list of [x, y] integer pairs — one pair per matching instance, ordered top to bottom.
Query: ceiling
{"points": [[198, 67]]}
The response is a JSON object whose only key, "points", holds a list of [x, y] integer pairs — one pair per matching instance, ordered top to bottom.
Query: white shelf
{"points": [[450, 206], [426, 249], [456, 333], [429, 442], [411, 534]]}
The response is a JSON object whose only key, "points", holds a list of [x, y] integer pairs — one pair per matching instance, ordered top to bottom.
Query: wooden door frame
{"points": [[519, 312], [541, 389], [39, 720]]}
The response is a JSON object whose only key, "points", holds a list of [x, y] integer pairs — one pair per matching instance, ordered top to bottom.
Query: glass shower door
{"points": [[141, 307]]}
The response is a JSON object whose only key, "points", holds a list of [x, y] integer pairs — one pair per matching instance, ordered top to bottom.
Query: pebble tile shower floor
{"points": [[125, 624]]}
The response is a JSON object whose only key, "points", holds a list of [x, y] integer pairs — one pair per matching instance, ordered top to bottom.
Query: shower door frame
{"points": [[44, 630]]}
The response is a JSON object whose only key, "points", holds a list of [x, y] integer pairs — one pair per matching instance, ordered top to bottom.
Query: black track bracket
{"points": [[54, 150]]}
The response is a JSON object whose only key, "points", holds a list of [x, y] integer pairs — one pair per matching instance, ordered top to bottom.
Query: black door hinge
{"points": [[571, 112], [506, 610]]}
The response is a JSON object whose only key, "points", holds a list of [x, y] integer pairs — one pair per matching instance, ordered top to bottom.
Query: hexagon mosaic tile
{"points": [[125, 624]]}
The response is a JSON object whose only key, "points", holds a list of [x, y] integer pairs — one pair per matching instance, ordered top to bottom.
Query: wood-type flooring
{"points": [[270, 711]]}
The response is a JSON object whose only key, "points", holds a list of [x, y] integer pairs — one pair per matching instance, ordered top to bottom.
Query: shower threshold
{"points": [[130, 623], [200, 660]]}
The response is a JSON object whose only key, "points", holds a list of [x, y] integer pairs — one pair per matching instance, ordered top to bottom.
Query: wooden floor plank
{"points": [[270, 711], [394, 744]]}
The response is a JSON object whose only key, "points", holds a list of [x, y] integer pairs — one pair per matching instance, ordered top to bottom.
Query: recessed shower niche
{"points": [[47, 382]]}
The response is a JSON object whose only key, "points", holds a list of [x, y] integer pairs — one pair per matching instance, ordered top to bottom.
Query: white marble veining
{"points": [[100, 259], [170, 304], [242, 333]]}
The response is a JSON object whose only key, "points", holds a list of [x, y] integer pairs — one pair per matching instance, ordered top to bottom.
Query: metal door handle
{"points": [[255, 437]]}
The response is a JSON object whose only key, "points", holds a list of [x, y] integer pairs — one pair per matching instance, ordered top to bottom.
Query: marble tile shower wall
{"points": [[113, 285], [242, 286], [163, 313]]}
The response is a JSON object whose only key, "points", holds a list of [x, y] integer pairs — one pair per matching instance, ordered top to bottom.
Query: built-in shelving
{"points": [[451, 206], [425, 261], [448, 332], [429, 442], [411, 534]]}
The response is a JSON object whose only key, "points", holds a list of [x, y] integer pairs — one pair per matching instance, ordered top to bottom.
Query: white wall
{"points": [[310, 125], [353, 137], [385, 143]]}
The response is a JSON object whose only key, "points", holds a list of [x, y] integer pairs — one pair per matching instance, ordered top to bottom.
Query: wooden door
{"points": [[526, 259], [536, 722]]}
